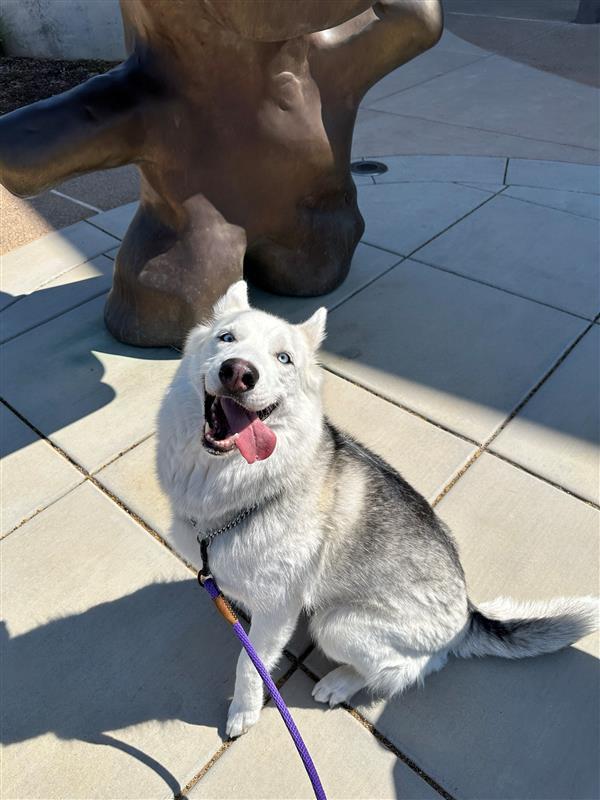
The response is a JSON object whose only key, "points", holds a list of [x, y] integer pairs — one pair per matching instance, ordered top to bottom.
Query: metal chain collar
{"points": [[208, 536]]}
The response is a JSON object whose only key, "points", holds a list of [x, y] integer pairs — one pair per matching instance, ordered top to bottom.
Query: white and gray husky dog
{"points": [[333, 530]]}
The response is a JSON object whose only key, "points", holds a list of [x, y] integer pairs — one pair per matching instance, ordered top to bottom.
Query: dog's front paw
{"points": [[239, 719]]}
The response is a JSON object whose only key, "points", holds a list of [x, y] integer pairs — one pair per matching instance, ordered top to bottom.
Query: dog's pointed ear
{"points": [[234, 299], [314, 327]]}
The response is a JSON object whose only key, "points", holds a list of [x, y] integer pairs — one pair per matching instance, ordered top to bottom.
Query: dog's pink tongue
{"points": [[254, 439]]}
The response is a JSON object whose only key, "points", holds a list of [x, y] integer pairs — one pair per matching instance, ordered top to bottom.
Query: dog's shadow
{"points": [[160, 653], [485, 727]]}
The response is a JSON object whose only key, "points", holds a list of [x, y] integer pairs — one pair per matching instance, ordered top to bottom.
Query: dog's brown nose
{"points": [[238, 375]]}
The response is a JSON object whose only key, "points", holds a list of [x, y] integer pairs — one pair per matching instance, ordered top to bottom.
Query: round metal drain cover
{"points": [[368, 167]]}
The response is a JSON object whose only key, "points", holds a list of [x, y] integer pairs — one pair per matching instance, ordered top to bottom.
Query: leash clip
{"points": [[204, 573]]}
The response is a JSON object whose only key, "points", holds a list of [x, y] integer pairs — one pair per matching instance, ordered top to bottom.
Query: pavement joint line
{"points": [[513, 19], [476, 58], [490, 130], [383, 156], [505, 171], [554, 188], [75, 200], [552, 208], [460, 219], [439, 233], [118, 239], [365, 285], [500, 289], [50, 319], [517, 408], [413, 412], [123, 452], [554, 485], [100, 486], [38, 511], [281, 681], [384, 740], [182, 795]]}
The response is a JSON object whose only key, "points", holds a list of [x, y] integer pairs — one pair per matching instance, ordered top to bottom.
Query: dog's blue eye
{"points": [[227, 337], [284, 358]]}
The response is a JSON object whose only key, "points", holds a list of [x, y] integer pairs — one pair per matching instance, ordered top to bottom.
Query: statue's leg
{"points": [[314, 257], [167, 281]]}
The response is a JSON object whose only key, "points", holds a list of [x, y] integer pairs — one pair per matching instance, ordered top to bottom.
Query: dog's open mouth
{"points": [[228, 425]]}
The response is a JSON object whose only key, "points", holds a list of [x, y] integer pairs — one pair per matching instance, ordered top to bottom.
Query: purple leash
{"points": [[206, 580]]}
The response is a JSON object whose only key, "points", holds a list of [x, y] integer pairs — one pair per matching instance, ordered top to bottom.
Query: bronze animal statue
{"points": [[239, 115]]}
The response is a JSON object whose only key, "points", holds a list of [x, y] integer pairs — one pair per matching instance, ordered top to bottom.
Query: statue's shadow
{"points": [[53, 373], [156, 654]]}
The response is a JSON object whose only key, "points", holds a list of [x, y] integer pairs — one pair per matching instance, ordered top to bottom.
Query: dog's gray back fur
{"points": [[399, 554]]}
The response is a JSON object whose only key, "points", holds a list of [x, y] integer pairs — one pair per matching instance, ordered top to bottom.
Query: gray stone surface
{"points": [[429, 65], [542, 106], [379, 133], [464, 169], [554, 175], [578, 203], [404, 216], [116, 221], [534, 251], [37, 263], [368, 263], [65, 292], [458, 352], [92, 395], [557, 434], [424, 454], [33, 475], [116, 684], [496, 728], [351, 762]]}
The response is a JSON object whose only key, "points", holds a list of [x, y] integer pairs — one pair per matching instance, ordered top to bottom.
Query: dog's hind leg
{"points": [[372, 656]]}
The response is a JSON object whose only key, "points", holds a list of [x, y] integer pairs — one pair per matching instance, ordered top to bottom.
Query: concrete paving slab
{"points": [[519, 10], [497, 34], [453, 43], [571, 51], [435, 62], [498, 94], [378, 133], [444, 168], [554, 175], [105, 189], [578, 203], [403, 216], [24, 220], [117, 220], [534, 251], [37, 263], [368, 263], [65, 292], [460, 353], [99, 396], [557, 434], [423, 454], [33, 475], [117, 671], [491, 727], [351, 762]]}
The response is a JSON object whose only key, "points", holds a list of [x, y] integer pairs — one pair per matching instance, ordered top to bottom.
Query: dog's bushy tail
{"points": [[504, 627]]}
